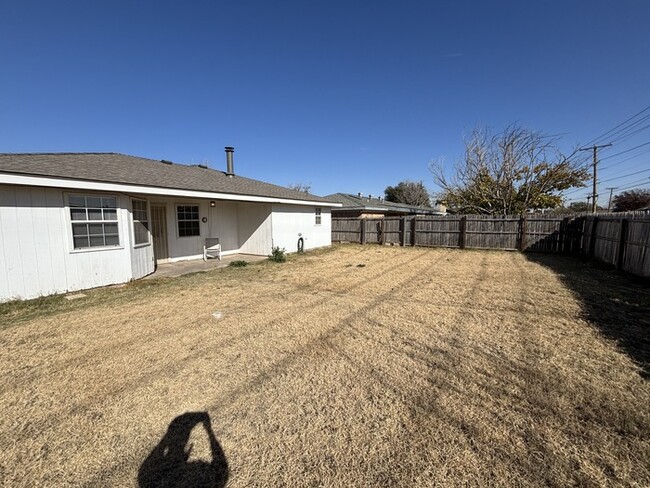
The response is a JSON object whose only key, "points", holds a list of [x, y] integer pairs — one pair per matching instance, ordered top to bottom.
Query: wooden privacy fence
{"points": [[619, 239]]}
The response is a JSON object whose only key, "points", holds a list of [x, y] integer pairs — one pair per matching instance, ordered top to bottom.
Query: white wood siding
{"points": [[291, 220], [222, 223], [240, 227], [255, 228], [184, 248], [37, 252], [37, 256], [142, 261]]}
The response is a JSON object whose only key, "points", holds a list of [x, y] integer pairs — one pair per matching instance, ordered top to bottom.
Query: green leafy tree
{"points": [[511, 172], [409, 192], [631, 200]]}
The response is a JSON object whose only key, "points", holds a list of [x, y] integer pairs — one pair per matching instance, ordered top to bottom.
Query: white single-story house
{"points": [[72, 221]]}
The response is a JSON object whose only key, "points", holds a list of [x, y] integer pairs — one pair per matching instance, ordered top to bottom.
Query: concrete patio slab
{"points": [[180, 268]]}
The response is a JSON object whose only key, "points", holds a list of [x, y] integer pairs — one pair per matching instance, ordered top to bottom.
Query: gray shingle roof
{"points": [[131, 170], [355, 202]]}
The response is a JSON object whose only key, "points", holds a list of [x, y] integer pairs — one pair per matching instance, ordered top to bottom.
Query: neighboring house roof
{"points": [[131, 170], [366, 204]]}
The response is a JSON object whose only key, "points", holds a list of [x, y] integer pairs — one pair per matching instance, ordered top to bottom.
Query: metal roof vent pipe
{"points": [[230, 171]]}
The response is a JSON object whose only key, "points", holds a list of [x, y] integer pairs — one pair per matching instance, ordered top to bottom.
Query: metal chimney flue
{"points": [[230, 171]]}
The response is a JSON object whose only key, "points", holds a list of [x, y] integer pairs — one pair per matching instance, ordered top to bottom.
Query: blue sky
{"points": [[347, 96]]}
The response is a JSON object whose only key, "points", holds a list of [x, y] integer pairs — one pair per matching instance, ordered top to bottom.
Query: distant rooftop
{"points": [[370, 203]]}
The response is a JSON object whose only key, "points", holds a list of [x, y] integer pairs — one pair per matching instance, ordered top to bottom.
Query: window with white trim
{"points": [[318, 216], [187, 217], [94, 221], [140, 222]]}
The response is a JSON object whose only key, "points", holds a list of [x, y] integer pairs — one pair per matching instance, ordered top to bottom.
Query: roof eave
{"points": [[80, 184]]}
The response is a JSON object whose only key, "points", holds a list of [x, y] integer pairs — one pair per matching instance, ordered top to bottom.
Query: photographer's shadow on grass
{"points": [[169, 463]]}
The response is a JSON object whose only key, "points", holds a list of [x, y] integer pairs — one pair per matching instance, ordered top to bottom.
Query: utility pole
{"points": [[594, 193], [609, 202]]}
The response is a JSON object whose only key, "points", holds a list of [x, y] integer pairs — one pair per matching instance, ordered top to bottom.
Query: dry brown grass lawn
{"points": [[419, 368]]}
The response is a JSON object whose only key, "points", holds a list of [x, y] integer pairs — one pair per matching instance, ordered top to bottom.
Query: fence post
{"points": [[362, 222], [413, 227], [382, 232], [403, 232], [522, 233], [462, 236], [592, 237], [622, 240]]}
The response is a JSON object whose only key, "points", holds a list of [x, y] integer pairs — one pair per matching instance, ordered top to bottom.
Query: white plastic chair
{"points": [[211, 249]]}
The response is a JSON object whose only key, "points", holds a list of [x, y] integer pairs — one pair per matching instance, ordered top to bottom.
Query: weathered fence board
{"points": [[346, 230], [372, 230], [392, 230], [437, 232], [493, 233], [545, 234], [606, 235], [622, 240], [636, 256]]}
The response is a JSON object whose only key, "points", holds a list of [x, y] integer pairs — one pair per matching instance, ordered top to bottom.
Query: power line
{"points": [[623, 131], [617, 134], [625, 136], [593, 141], [626, 151], [626, 159], [624, 176], [595, 182], [636, 184], [629, 185], [574, 191], [571, 192], [609, 202]]}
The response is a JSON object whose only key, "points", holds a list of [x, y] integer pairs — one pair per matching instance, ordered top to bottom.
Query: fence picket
{"points": [[618, 239]]}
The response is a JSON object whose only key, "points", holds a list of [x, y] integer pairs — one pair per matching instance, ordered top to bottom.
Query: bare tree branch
{"points": [[510, 172], [300, 187]]}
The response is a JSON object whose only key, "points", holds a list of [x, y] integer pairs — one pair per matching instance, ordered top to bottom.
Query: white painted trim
{"points": [[15, 179], [70, 222]]}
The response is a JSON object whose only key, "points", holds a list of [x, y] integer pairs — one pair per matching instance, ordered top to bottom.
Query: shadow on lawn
{"points": [[619, 306], [168, 466]]}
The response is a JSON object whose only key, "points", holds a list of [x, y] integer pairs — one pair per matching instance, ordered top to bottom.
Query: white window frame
{"points": [[318, 216], [198, 219], [87, 221], [138, 221]]}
